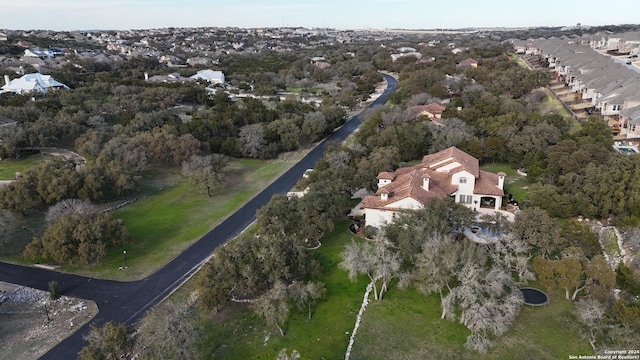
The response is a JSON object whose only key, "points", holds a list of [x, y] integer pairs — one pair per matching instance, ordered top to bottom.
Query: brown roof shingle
{"points": [[407, 182]]}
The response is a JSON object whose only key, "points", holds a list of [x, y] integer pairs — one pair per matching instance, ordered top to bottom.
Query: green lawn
{"points": [[552, 105], [8, 168], [514, 184], [171, 214], [406, 325], [236, 333]]}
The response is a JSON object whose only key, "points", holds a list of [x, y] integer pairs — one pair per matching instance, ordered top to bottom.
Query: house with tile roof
{"points": [[469, 62], [433, 110], [448, 173]]}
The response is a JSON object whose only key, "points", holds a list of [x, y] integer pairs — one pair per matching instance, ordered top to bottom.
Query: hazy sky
{"points": [[341, 14]]}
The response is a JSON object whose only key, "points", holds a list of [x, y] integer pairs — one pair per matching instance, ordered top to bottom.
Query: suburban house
{"points": [[3, 37], [39, 52], [395, 57], [7, 61], [469, 63], [598, 76], [214, 77], [169, 78], [35, 82], [433, 110], [448, 173]]}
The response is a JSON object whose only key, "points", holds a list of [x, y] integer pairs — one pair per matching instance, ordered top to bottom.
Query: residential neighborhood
{"points": [[600, 75], [292, 192]]}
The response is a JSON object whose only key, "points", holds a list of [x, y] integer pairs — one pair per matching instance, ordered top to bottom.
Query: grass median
{"points": [[172, 214]]}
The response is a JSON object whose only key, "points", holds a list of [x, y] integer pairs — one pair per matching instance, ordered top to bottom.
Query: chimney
{"points": [[146, 76], [6, 80], [501, 176], [425, 183], [384, 195]]}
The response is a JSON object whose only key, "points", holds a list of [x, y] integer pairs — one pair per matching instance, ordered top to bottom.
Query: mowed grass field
{"points": [[9, 168], [172, 213], [406, 325]]}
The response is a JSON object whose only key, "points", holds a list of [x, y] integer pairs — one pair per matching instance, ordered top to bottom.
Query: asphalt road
{"points": [[127, 302]]}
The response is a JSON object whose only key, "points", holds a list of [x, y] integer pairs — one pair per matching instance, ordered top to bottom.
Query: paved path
{"points": [[127, 302]]}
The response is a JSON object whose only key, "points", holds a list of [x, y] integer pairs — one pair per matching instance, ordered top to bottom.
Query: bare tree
{"points": [[422, 99], [451, 132], [253, 141], [338, 160], [69, 207], [512, 253], [356, 260], [378, 261], [386, 264], [436, 267], [306, 294], [489, 301], [274, 306], [591, 314], [170, 332], [283, 355]]}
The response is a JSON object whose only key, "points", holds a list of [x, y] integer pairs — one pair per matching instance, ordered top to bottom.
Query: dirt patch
{"points": [[31, 323]]}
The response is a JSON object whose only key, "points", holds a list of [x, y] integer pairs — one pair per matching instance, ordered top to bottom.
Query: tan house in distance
{"points": [[433, 110], [448, 173]]}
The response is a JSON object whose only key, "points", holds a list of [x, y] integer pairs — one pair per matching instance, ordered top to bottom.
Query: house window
{"points": [[616, 107], [463, 180], [466, 199]]}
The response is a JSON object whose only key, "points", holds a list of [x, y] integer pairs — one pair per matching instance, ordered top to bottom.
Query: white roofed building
{"points": [[214, 77], [35, 82]]}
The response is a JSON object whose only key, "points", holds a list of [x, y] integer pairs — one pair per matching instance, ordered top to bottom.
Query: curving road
{"points": [[126, 302]]}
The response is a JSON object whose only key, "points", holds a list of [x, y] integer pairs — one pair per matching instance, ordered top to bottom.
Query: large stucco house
{"points": [[448, 173]]}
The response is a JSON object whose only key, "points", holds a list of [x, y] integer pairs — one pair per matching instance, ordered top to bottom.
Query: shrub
{"points": [[54, 290]]}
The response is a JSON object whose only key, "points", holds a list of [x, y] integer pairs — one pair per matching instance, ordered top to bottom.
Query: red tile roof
{"points": [[433, 109], [451, 155], [407, 182]]}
